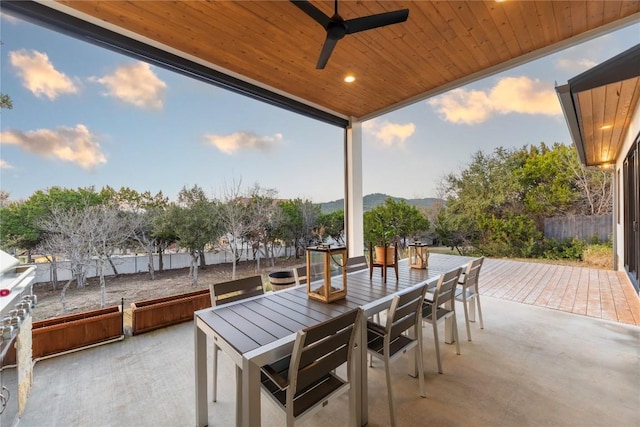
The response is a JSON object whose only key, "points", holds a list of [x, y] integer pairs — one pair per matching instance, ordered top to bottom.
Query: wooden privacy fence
{"points": [[582, 227]]}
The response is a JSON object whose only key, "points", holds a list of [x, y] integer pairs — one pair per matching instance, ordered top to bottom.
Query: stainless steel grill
{"points": [[16, 302]]}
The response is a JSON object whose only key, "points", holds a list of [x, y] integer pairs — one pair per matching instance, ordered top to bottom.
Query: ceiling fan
{"points": [[337, 27]]}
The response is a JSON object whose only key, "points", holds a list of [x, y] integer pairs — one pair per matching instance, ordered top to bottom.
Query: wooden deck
{"points": [[589, 292]]}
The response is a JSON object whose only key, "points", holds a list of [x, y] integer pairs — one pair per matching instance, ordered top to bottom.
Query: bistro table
{"points": [[261, 330]]}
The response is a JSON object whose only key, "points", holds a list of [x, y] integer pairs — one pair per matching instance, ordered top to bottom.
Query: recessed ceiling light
{"points": [[350, 79], [603, 127]]}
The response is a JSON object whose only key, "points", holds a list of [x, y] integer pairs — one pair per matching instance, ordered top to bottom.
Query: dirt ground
{"points": [[139, 287]]}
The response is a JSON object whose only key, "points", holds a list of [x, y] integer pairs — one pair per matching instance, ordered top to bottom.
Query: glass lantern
{"points": [[418, 255], [330, 264]]}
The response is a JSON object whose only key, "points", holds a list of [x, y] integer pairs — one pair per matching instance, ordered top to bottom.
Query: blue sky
{"points": [[85, 116]]}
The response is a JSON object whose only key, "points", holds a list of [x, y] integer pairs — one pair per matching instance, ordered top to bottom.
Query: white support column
{"points": [[353, 208]]}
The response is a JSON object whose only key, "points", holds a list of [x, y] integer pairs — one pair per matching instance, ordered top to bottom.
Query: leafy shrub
{"points": [[513, 236], [594, 240], [571, 249]]}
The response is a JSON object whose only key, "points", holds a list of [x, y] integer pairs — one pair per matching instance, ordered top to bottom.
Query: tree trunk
{"points": [[160, 259], [150, 261], [203, 263], [233, 264], [113, 266], [194, 268], [54, 271], [81, 279], [103, 284], [63, 294]]}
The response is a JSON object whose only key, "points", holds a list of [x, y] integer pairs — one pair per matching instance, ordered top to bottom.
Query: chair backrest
{"points": [[357, 263], [472, 273], [300, 274], [446, 288], [235, 290], [404, 313], [320, 349]]}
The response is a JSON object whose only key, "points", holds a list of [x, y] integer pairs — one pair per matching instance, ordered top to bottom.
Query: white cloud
{"points": [[575, 65], [39, 75], [135, 84], [510, 95], [525, 96], [463, 106], [388, 133], [231, 143], [76, 145], [5, 165]]}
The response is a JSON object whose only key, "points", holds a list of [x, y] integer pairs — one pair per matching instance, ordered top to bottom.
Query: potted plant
{"points": [[380, 231]]}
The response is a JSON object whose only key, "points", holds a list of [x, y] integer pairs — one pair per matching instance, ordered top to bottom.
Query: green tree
{"points": [[547, 185], [497, 204], [141, 210], [263, 218], [21, 220], [393, 221], [299, 222], [196, 223], [333, 225], [290, 228]]}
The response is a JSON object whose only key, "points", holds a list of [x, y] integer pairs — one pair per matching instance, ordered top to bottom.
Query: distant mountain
{"points": [[370, 201]]}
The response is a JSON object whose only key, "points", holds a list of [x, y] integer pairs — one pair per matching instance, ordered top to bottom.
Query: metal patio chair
{"points": [[224, 293], [469, 295], [443, 307], [400, 333], [304, 382]]}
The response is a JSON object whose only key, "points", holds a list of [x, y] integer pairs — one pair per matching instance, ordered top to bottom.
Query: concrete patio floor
{"points": [[531, 365]]}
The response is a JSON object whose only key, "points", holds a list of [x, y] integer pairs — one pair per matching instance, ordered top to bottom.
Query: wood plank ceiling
{"points": [[442, 45], [599, 105], [605, 114]]}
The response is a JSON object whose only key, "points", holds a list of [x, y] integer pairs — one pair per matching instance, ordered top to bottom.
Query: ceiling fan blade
{"points": [[313, 12], [374, 21], [327, 49]]}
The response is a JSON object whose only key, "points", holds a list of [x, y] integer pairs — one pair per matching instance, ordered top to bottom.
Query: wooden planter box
{"points": [[158, 313], [64, 333]]}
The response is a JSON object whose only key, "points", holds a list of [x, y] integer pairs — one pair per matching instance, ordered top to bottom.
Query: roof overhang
{"points": [[268, 49], [598, 106]]}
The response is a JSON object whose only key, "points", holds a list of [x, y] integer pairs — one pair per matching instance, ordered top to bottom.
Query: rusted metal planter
{"points": [[158, 313], [61, 334]]}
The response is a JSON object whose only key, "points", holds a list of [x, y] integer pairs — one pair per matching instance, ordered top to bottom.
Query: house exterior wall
{"points": [[630, 137]]}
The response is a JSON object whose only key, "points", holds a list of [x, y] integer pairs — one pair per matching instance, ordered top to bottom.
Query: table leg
{"points": [[360, 378], [250, 394], [238, 395], [202, 406]]}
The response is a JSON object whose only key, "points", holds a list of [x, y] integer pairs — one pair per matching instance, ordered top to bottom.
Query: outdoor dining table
{"points": [[261, 330]]}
